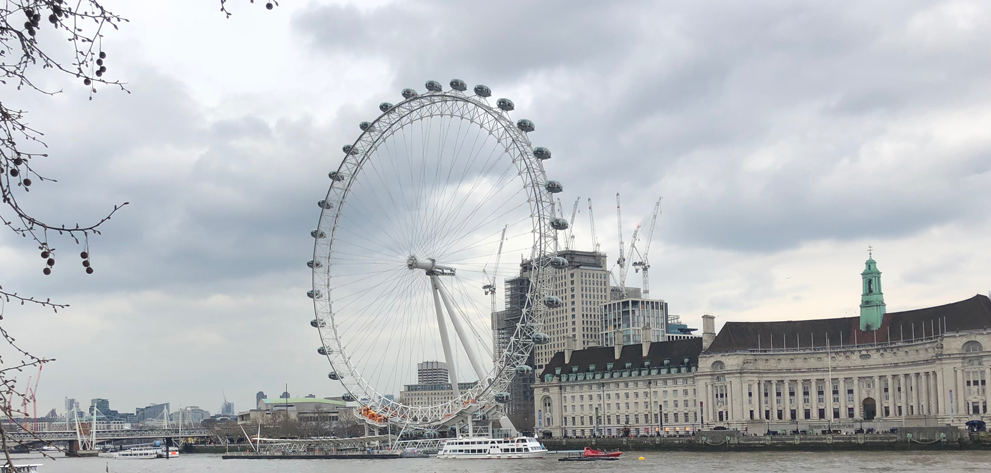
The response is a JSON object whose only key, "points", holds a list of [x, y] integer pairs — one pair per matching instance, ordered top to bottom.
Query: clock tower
{"points": [[872, 308]]}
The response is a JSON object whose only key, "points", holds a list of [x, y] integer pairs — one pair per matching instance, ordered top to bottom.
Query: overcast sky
{"points": [[784, 137]]}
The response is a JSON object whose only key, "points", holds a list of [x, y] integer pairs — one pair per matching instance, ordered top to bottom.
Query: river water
{"points": [[681, 462]]}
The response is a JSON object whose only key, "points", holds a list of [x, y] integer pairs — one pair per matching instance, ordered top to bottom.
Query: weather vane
{"points": [[870, 251]]}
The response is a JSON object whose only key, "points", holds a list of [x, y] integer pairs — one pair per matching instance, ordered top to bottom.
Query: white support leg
{"points": [[456, 320], [451, 368]]}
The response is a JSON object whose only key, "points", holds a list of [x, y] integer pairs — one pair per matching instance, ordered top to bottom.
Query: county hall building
{"points": [[923, 367]]}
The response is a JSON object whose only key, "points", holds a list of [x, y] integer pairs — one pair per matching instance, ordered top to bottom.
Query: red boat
{"points": [[593, 453]]}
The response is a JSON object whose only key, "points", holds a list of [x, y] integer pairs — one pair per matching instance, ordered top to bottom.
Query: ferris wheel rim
{"points": [[541, 205]]}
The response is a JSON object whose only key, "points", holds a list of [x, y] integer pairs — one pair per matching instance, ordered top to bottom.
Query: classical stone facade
{"points": [[922, 367], [642, 389]]}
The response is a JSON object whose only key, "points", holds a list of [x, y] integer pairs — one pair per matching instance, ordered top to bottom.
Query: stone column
{"points": [[987, 392], [878, 393], [936, 395], [960, 398], [903, 402], [759, 404], [858, 408]]}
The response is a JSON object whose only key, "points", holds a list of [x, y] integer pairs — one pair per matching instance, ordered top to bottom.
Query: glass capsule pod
{"points": [[459, 85], [433, 86], [483, 90], [409, 93], [505, 104], [385, 106], [525, 125], [364, 126], [541, 153], [336, 176], [553, 187], [323, 204], [559, 223], [318, 234], [314, 264], [314, 294], [553, 302], [318, 323], [541, 338], [323, 351], [524, 370], [333, 375], [348, 397], [502, 397]]}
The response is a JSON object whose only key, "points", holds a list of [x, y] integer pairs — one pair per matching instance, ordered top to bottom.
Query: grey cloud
{"points": [[632, 95]]}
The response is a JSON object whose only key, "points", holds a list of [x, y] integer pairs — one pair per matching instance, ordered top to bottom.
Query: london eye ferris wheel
{"points": [[417, 211]]}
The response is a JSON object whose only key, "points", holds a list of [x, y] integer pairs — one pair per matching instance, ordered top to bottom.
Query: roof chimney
{"points": [[708, 330], [645, 340], [618, 343], [569, 347]]}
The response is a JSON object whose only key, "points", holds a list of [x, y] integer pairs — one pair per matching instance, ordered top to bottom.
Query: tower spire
{"points": [[872, 307]]}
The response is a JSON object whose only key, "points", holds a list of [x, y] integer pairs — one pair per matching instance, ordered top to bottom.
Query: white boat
{"points": [[490, 448], [141, 453], [145, 453], [32, 468]]}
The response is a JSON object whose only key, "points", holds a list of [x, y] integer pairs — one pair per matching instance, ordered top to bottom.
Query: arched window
{"points": [[870, 286], [972, 346], [718, 366]]}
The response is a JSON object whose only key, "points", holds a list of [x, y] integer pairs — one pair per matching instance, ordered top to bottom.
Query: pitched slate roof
{"points": [[969, 314], [675, 351]]}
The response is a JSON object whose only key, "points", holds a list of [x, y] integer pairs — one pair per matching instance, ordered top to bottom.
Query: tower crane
{"points": [[591, 220], [569, 243], [621, 262], [643, 264], [490, 289], [31, 396]]}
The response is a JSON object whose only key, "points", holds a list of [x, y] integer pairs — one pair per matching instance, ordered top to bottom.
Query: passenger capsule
{"points": [[459, 85], [433, 86], [483, 90], [409, 93], [505, 104], [385, 106], [525, 125], [364, 126], [541, 153], [336, 176], [553, 187], [323, 204], [558, 223], [318, 234], [558, 262], [314, 264], [314, 294], [553, 302], [318, 323], [541, 338], [323, 351], [524, 370], [333, 375], [348, 397], [502, 397]]}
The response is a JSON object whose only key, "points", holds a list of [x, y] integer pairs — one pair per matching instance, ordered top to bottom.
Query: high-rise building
{"points": [[583, 287], [630, 317], [431, 372], [259, 396], [70, 405], [102, 405], [226, 409], [152, 412]]}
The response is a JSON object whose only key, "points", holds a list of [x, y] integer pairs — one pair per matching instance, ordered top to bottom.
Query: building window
{"points": [[972, 346], [887, 411], [836, 412], [849, 412], [822, 413], [751, 414], [808, 414], [794, 415]]}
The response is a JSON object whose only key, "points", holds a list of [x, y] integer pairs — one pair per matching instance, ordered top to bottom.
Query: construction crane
{"points": [[591, 220], [569, 242], [621, 262], [643, 264], [490, 289], [31, 396]]}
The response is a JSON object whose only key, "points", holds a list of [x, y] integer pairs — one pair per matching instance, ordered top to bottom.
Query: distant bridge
{"points": [[108, 435]]}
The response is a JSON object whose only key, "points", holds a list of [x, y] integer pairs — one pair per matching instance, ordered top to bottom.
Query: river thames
{"points": [[762, 462]]}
